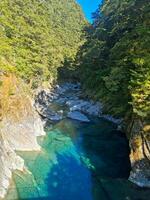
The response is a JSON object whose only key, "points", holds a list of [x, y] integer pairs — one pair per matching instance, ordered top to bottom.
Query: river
{"points": [[78, 161]]}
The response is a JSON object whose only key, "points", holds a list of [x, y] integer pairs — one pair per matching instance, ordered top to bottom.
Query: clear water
{"points": [[78, 161]]}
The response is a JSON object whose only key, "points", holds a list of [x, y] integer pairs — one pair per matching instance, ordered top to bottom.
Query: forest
{"points": [[36, 37], [114, 61]]}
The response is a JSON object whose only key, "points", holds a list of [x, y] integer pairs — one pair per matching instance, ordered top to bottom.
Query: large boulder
{"points": [[88, 107], [49, 114]]}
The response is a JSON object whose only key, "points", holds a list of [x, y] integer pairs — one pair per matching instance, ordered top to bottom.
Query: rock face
{"points": [[42, 102], [19, 127], [20, 136], [140, 152], [9, 162]]}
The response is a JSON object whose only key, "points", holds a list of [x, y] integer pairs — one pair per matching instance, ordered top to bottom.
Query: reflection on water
{"points": [[77, 161]]}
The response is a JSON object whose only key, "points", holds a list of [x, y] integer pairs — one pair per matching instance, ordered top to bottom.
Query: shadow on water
{"points": [[109, 157]]}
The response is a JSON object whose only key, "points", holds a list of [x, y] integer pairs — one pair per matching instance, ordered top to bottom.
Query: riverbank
{"points": [[71, 96]]}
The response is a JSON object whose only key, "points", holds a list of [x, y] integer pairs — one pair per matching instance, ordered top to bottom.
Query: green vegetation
{"points": [[37, 35], [115, 59]]}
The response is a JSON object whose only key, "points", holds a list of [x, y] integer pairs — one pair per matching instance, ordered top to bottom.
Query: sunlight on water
{"points": [[50, 171]]}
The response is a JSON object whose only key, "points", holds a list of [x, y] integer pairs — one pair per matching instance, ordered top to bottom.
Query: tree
{"points": [[115, 58]]}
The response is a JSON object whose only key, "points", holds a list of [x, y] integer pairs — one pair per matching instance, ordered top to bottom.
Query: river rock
{"points": [[71, 86], [65, 87], [60, 90], [61, 100], [78, 105], [87, 107], [93, 108], [46, 112], [78, 116], [55, 117], [112, 119]]}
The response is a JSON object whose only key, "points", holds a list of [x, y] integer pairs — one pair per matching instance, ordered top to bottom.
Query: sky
{"points": [[89, 6]]}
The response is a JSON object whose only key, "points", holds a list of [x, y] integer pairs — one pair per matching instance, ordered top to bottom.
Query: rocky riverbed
{"points": [[70, 95]]}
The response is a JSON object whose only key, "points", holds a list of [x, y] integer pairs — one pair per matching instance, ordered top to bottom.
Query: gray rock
{"points": [[60, 90], [61, 100], [73, 102], [79, 105], [87, 107], [93, 108], [60, 112], [49, 114], [78, 116], [55, 117], [112, 119], [9, 162], [140, 173]]}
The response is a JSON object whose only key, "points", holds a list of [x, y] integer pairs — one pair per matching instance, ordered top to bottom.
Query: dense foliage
{"points": [[37, 35], [115, 59]]}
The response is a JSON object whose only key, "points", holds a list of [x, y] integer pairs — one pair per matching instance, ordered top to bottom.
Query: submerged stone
{"points": [[78, 116]]}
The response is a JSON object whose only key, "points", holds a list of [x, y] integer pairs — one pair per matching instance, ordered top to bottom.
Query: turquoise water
{"points": [[78, 161]]}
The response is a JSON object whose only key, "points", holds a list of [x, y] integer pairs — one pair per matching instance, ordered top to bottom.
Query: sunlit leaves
{"points": [[36, 36], [115, 60]]}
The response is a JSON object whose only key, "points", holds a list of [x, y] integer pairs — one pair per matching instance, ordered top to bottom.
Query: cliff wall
{"points": [[19, 127], [139, 131]]}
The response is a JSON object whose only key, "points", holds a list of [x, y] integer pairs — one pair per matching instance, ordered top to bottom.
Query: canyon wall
{"points": [[19, 127], [139, 134]]}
